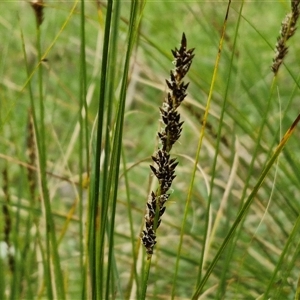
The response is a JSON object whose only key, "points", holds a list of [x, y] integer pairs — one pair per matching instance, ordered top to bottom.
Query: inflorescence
{"points": [[288, 28], [165, 166]]}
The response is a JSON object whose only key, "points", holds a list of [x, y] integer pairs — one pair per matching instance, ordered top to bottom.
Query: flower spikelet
{"points": [[38, 7], [288, 28], [164, 169]]}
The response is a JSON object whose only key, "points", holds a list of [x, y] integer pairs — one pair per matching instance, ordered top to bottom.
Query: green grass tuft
{"points": [[82, 83]]}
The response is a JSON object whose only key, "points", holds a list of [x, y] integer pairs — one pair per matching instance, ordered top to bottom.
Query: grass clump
{"points": [[78, 109]]}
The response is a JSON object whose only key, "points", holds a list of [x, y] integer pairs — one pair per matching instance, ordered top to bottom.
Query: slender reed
{"points": [[83, 145], [165, 170], [54, 280]]}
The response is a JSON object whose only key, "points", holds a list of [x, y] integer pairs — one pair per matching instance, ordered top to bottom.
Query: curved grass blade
{"points": [[197, 159], [246, 206], [280, 264]]}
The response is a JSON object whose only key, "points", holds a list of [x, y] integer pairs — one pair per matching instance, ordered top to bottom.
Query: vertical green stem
{"points": [[118, 133], [83, 146], [196, 162], [42, 163], [51, 243], [96, 255], [146, 278]]}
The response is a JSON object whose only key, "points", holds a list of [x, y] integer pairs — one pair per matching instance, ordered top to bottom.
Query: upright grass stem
{"points": [[288, 27], [37, 134], [201, 136], [83, 146], [217, 149], [110, 176], [113, 178], [241, 215], [51, 242], [96, 242]]}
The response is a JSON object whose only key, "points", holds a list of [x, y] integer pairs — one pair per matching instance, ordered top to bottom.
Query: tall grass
{"points": [[79, 109]]}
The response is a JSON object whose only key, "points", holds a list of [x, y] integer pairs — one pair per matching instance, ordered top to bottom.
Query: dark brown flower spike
{"points": [[38, 7], [288, 28], [31, 154], [165, 166]]}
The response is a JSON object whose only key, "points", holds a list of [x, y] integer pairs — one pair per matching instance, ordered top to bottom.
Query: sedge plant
{"points": [[81, 97]]}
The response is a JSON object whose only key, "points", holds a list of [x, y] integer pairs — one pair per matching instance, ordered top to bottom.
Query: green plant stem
{"points": [[233, 53], [110, 94], [118, 132], [83, 146], [42, 163], [251, 166], [195, 168], [246, 206], [33, 209], [51, 243], [96, 243], [284, 253], [133, 273], [146, 278]]}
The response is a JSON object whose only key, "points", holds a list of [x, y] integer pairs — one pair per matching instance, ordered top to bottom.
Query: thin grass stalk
{"points": [[288, 28], [84, 92], [110, 94], [32, 102], [118, 133], [201, 136], [219, 136], [37, 139], [83, 146], [108, 160], [42, 167], [104, 198], [241, 215], [240, 229], [292, 237], [96, 242], [51, 243], [28, 256], [292, 263], [20, 266], [133, 272], [145, 277]]}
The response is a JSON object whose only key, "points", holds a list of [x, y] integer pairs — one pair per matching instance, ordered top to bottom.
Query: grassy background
{"points": [[263, 254]]}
